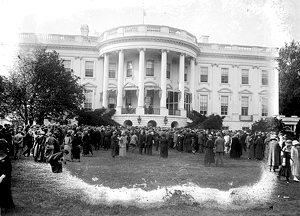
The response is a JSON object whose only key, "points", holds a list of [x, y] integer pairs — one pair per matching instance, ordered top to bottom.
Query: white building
{"points": [[157, 74]]}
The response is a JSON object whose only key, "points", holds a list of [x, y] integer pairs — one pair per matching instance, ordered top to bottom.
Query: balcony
{"points": [[128, 111], [152, 111], [174, 112], [246, 118]]}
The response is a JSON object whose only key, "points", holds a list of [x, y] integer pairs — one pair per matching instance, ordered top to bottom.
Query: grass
{"points": [[37, 191]]}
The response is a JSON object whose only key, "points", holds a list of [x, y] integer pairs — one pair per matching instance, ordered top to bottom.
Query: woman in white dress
{"points": [[122, 144], [295, 160]]}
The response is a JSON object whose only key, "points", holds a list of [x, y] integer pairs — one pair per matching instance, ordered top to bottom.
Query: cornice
{"points": [[149, 38], [63, 46], [237, 56]]}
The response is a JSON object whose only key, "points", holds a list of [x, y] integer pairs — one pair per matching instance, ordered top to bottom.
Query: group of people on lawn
{"points": [[59, 144]]}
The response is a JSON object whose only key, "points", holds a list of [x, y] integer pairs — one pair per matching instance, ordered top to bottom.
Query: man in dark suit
{"points": [[149, 142]]}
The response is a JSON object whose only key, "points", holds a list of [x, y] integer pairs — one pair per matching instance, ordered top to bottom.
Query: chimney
{"points": [[84, 30], [204, 39]]}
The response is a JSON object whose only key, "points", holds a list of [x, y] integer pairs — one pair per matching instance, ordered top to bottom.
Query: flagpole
{"points": [[143, 15]]}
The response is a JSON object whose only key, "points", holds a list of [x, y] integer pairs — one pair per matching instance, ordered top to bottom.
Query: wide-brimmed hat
{"points": [[273, 137], [288, 142], [295, 142]]}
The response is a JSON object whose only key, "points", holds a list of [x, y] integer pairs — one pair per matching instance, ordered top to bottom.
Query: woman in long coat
{"points": [[188, 142], [114, 145], [163, 146], [76, 147], [251, 147], [235, 150], [259, 150], [209, 157], [274, 158], [6, 201]]}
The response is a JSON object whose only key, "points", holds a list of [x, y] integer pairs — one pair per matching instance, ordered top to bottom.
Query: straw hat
{"points": [[295, 142]]}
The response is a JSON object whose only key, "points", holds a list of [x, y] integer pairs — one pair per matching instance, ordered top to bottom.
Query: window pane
{"points": [[67, 65], [89, 68], [150, 68], [129, 69], [112, 70], [168, 71], [204, 74], [224, 75], [245, 76], [264, 77], [88, 101], [203, 104], [224, 105], [245, 105], [264, 107]]}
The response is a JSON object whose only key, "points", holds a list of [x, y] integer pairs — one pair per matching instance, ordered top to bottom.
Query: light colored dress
{"points": [[122, 145], [68, 147], [295, 163]]}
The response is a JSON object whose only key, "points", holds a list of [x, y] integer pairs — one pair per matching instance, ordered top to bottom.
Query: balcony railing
{"points": [[128, 111], [153, 111], [174, 112], [246, 118]]}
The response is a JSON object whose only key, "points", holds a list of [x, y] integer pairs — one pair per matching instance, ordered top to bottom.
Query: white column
{"points": [[105, 80], [120, 82], [192, 82], [163, 83], [181, 84], [276, 92], [141, 95], [215, 103], [255, 104], [234, 105]]}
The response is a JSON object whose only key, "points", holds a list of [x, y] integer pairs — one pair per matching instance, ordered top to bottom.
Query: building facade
{"points": [[157, 74]]}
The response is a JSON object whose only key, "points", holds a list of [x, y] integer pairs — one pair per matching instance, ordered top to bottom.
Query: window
{"points": [[67, 65], [150, 68], [89, 69], [129, 69], [112, 70], [168, 71], [185, 73], [204, 74], [224, 75], [245, 76], [264, 77], [112, 99], [88, 101], [172, 102], [187, 102], [203, 104], [224, 105], [245, 106], [264, 109]]}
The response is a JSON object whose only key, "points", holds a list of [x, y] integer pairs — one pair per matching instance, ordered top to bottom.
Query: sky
{"points": [[268, 23]]}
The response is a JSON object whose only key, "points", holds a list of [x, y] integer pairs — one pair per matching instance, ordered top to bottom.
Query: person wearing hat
{"points": [[122, 144], [295, 158], [274, 160], [286, 161], [6, 201]]}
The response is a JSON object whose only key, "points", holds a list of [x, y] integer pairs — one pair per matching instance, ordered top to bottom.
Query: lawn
{"points": [[83, 187]]}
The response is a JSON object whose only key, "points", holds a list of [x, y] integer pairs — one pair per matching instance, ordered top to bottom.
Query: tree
{"points": [[289, 77], [39, 86], [4, 110], [97, 117], [204, 122], [268, 124]]}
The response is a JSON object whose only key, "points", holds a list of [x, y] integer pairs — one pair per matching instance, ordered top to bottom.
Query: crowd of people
{"points": [[60, 144]]}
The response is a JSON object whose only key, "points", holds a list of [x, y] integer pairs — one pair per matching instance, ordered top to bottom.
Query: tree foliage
{"points": [[289, 78], [39, 86], [4, 99], [97, 117], [204, 122], [268, 124]]}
